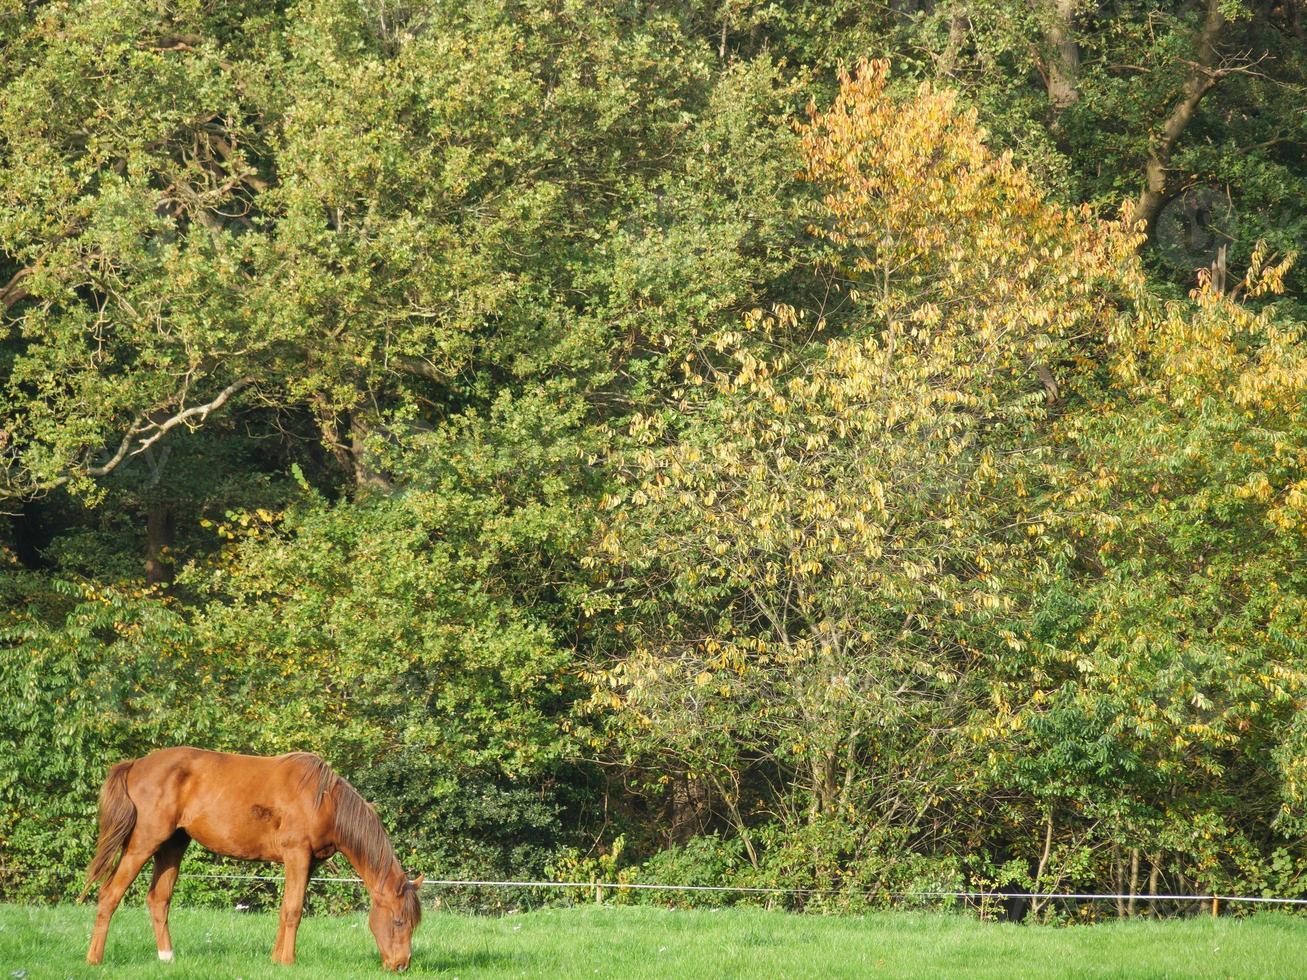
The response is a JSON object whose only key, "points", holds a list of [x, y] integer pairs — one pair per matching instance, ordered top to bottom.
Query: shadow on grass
{"points": [[219, 957], [429, 957], [485, 959]]}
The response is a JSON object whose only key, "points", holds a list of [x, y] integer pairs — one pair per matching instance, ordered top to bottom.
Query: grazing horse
{"points": [[290, 808]]}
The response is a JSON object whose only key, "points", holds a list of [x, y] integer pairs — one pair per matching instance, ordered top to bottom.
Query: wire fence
{"points": [[619, 886], [601, 888]]}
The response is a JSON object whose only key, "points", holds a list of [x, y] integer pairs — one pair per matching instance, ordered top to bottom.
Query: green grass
{"points": [[648, 942]]}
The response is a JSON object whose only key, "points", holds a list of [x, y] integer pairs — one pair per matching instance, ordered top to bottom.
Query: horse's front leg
{"points": [[298, 860]]}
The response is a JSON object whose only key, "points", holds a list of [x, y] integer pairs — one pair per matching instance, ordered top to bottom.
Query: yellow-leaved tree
{"points": [[814, 552]]}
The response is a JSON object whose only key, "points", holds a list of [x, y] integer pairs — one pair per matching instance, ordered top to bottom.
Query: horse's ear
{"points": [[404, 883]]}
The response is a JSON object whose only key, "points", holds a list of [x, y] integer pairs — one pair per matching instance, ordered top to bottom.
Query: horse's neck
{"points": [[373, 880]]}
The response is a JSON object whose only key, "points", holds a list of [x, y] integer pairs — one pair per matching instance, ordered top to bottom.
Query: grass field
{"points": [[648, 942]]}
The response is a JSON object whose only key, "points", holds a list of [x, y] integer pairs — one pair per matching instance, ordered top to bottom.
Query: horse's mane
{"points": [[357, 826]]}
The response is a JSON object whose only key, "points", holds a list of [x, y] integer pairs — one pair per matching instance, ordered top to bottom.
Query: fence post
{"points": [[1215, 906]]}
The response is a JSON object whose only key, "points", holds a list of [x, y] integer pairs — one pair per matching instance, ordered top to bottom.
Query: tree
{"points": [[807, 559], [1166, 667]]}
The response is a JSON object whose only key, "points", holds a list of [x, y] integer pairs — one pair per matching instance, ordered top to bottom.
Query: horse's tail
{"points": [[117, 820]]}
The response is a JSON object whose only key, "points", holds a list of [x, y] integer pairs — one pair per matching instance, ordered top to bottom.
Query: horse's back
{"points": [[184, 753], [206, 762], [228, 773], [241, 805]]}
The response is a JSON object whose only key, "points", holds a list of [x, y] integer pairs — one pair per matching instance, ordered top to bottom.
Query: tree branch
{"points": [[224, 151], [14, 291], [416, 366], [150, 431], [112, 463]]}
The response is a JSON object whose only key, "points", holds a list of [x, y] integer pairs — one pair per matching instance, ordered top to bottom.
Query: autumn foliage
{"points": [[893, 581]]}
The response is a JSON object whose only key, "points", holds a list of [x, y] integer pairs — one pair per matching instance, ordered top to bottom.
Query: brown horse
{"points": [[290, 808]]}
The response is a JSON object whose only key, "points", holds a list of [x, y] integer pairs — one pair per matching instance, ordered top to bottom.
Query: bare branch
{"points": [[199, 411], [149, 431], [112, 463]]}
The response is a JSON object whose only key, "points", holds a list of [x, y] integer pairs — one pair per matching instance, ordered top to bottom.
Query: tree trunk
{"points": [[957, 36], [1063, 71], [1202, 78], [331, 437], [366, 473], [159, 527], [850, 770], [825, 792], [736, 817], [1154, 870], [1118, 880], [1134, 880], [1037, 904]]}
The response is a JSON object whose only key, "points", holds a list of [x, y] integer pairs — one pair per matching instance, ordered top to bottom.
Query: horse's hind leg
{"points": [[166, 862], [111, 893]]}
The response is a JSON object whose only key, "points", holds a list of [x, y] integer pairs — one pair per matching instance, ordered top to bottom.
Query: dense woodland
{"points": [[808, 442]]}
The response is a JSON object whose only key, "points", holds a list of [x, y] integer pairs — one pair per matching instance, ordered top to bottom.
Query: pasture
{"points": [[38, 942]]}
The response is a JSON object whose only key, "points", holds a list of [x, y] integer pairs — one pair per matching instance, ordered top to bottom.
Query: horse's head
{"points": [[395, 914]]}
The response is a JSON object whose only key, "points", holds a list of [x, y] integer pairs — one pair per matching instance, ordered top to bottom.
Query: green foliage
{"points": [[616, 470], [1177, 661], [89, 676]]}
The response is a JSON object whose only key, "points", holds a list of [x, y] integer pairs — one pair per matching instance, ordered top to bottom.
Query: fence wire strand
{"points": [[620, 886], [758, 890]]}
